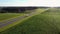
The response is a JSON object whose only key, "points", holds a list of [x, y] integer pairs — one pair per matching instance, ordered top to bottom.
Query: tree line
{"points": [[16, 9]]}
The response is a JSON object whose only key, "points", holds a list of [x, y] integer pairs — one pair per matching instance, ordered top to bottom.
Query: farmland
{"points": [[4, 16], [7, 23], [45, 23]]}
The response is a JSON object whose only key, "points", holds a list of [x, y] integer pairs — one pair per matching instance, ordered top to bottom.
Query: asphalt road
{"points": [[13, 20], [7, 22]]}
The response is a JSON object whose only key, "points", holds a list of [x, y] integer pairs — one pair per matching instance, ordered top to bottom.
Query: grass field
{"points": [[34, 12], [4, 16], [34, 25]]}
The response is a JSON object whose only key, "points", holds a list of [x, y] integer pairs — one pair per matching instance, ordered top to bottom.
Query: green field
{"points": [[17, 15], [4, 16], [47, 22]]}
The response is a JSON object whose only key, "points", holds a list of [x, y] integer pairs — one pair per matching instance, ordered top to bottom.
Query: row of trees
{"points": [[15, 9]]}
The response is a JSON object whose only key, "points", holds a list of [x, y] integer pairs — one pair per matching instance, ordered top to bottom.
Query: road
{"points": [[7, 22], [12, 22]]}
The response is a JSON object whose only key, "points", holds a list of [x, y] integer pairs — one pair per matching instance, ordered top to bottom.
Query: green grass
{"points": [[4, 16], [8, 16], [39, 24], [29, 26]]}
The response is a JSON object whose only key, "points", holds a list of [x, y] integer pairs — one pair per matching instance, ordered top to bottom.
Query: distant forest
{"points": [[17, 9]]}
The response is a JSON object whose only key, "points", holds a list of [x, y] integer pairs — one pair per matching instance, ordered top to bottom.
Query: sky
{"points": [[49, 3]]}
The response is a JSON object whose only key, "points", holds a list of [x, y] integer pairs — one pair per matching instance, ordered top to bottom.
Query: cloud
{"points": [[50, 3]]}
